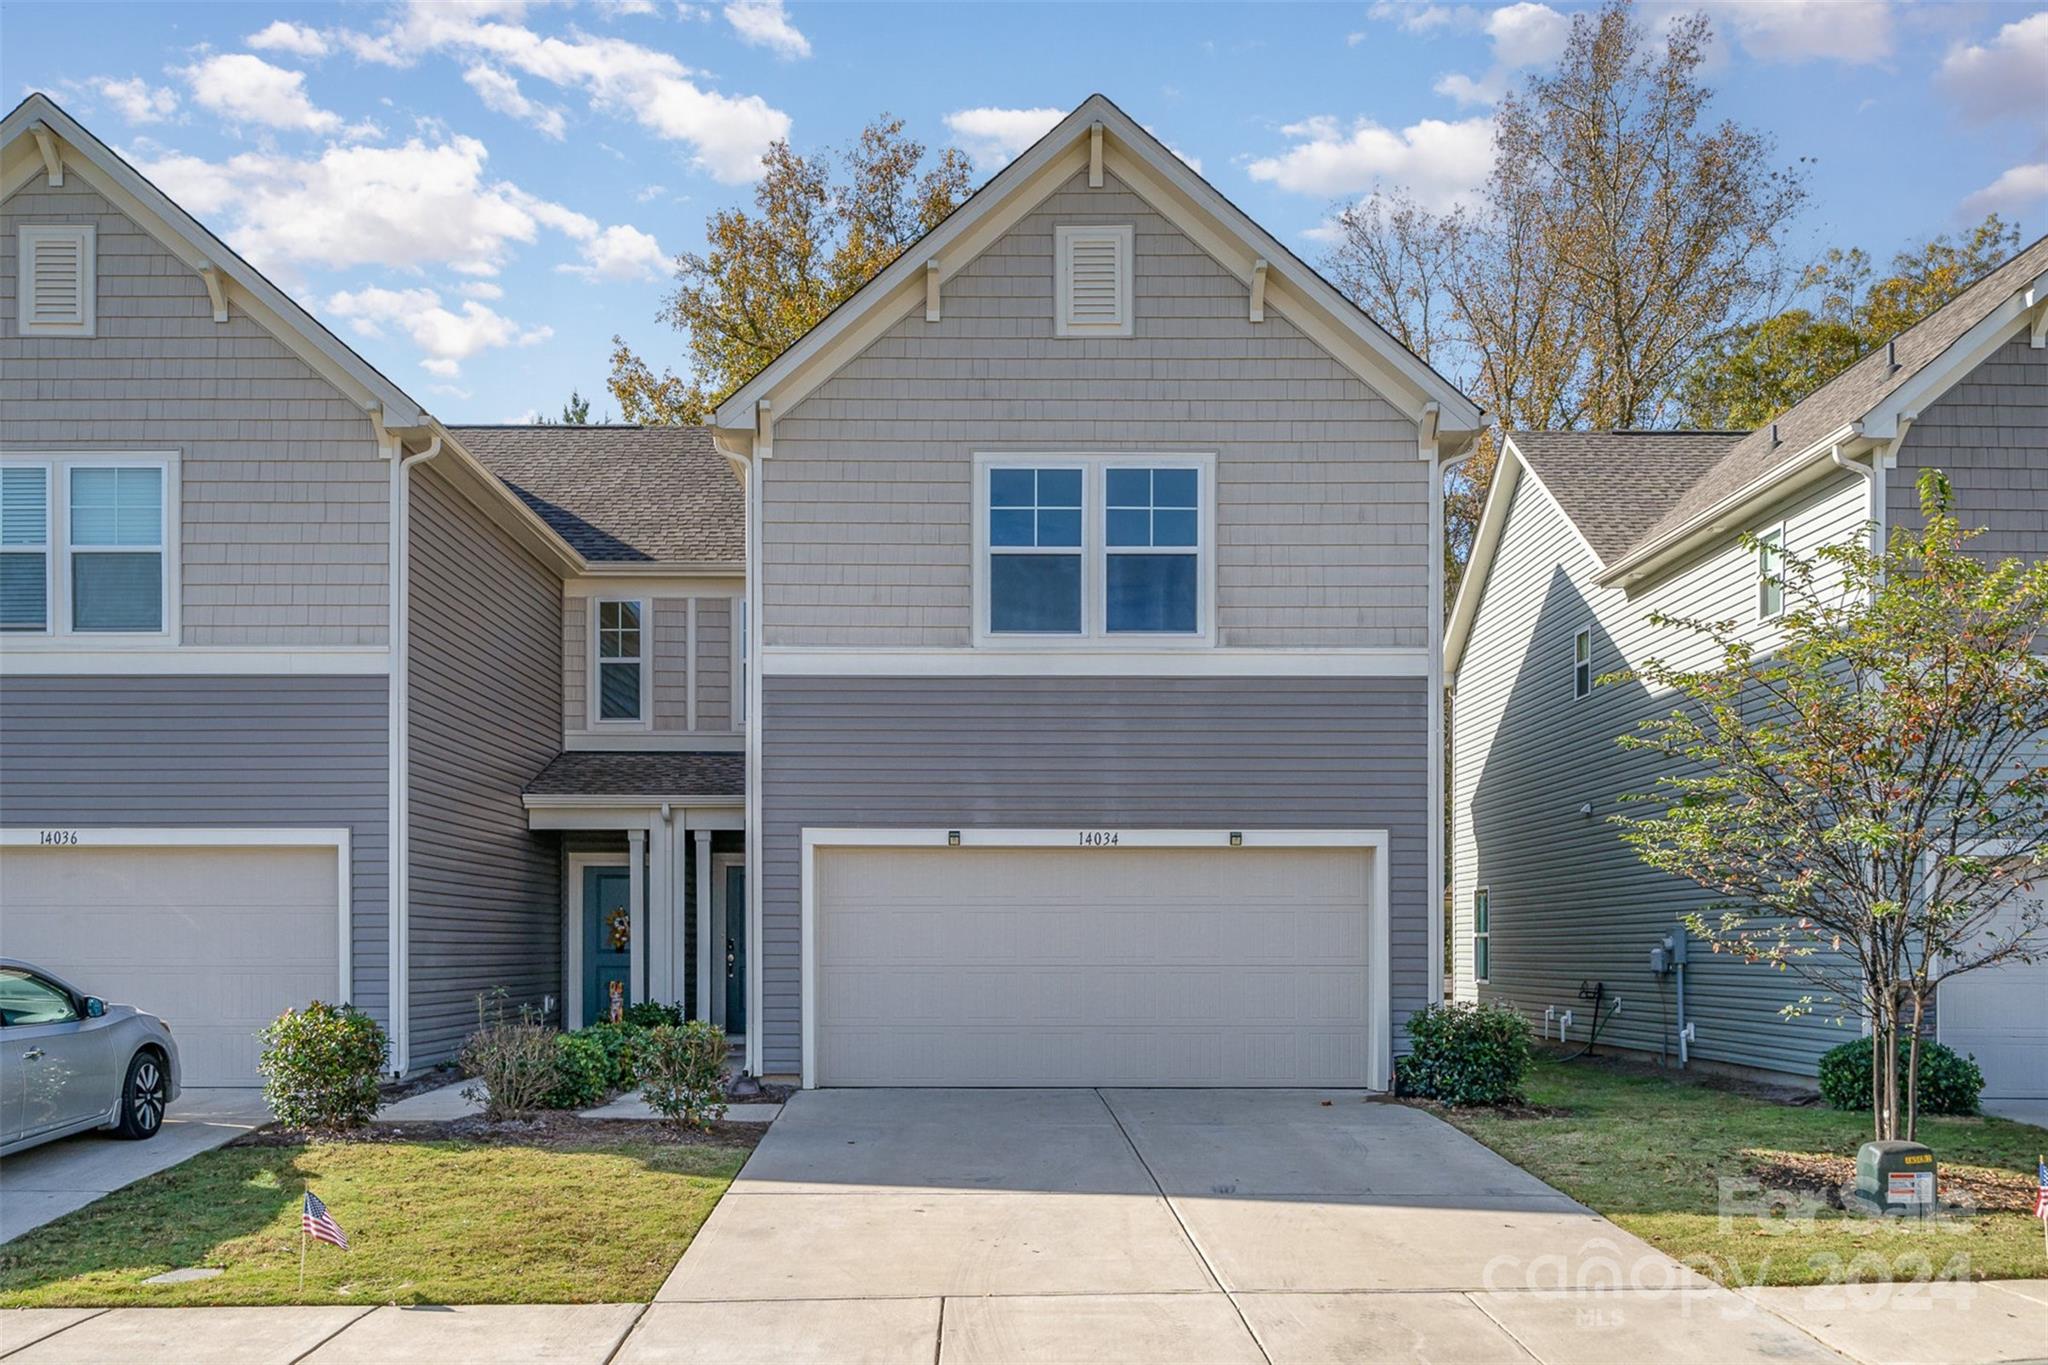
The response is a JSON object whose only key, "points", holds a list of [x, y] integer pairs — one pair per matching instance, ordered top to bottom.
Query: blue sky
{"points": [[479, 195]]}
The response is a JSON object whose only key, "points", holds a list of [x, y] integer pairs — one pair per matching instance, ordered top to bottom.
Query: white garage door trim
{"points": [[209, 836], [1379, 986]]}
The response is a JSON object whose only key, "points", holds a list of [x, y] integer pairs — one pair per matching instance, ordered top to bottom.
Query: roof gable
{"points": [[1098, 129], [1616, 485]]}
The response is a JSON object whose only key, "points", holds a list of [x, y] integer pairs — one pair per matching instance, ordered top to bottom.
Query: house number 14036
{"points": [[58, 836], [1098, 838]]}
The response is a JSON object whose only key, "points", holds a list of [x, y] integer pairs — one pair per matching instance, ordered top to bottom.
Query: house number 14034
{"points": [[1098, 838]]}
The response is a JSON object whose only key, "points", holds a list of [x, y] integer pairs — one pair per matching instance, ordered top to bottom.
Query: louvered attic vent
{"points": [[56, 280], [1094, 295]]}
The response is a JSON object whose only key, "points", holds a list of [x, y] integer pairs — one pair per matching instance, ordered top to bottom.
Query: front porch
{"points": [[654, 903]]}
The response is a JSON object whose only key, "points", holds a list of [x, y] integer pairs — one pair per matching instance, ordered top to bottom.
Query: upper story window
{"points": [[56, 279], [1093, 293], [84, 545], [1094, 549], [1770, 573], [1582, 663], [621, 667]]}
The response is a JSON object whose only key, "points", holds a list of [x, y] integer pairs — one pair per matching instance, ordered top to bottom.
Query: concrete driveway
{"points": [[50, 1181], [1168, 1225]]}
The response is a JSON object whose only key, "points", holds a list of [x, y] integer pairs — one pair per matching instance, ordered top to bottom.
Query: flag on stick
{"points": [[319, 1224]]}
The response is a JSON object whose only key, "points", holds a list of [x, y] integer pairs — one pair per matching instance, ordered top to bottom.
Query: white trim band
{"points": [[23, 659], [1041, 661]]}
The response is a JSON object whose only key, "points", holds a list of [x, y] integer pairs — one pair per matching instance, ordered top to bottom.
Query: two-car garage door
{"points": [[217, 940], [1172, 966]]}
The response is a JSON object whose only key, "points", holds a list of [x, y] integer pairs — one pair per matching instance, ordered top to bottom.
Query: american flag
{"points": [[2041, 1187], [318, 1223]]}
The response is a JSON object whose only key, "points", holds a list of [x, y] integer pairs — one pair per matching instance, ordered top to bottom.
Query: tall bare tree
{"points": [[821, 227], [1620, 230]]}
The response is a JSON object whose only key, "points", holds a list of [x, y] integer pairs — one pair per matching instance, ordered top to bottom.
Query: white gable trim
{"points": [[1163, 180], [1507, 473]]}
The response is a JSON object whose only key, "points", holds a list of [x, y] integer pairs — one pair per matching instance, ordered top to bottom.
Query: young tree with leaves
{"points": [[821, 227], [1620, 229], [1871, 795]]}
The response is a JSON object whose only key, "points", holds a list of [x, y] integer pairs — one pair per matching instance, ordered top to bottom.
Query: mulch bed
{"points": [[1498, 1111], [552, 1129], [1828, 1177]]}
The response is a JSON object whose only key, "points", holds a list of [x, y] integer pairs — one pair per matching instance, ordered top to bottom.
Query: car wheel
{"points": [[143, 1096]]}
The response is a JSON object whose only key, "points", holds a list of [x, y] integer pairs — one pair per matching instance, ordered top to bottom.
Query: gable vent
{"points": [[56, 280], [1094, 295]]}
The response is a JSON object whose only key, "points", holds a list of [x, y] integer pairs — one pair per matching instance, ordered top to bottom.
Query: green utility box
{"points": [[1896, 1178]]}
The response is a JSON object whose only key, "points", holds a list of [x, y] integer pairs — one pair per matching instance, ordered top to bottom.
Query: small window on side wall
{"points": [[1770, 574], [620, 654], [1582, 663], [1482, 965]]}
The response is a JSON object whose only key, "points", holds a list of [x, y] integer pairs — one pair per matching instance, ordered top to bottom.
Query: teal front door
{"points": [[607, 940], [735, 951]]}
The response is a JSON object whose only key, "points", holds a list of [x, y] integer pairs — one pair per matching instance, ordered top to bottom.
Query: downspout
{"points": [[747, 464], [1872, 475], [1439, 775], [398, 959]]}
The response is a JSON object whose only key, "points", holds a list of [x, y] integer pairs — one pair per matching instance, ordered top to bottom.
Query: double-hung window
{"points": [[86, 545], [1095, 549], [1770, 573], [1582, 663], [621, 673], [1481, 966]]}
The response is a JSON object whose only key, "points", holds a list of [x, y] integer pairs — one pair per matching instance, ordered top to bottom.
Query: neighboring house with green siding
{"points": [[1584, 537]]}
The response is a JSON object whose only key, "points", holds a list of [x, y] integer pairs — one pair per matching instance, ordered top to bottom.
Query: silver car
{"points": [[70, 1061]]}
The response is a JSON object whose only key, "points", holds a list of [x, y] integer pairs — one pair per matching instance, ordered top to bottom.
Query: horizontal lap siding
{"points": [[1322, 505], [285, 506], [239, 751], [1087, 752], [485, 892], [1569, 902]]}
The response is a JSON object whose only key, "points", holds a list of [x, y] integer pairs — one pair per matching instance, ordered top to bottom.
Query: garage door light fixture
{"points": [[953, 838], [1237, 838]]}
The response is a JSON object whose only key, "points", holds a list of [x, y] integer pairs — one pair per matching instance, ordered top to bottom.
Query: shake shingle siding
{"points": [[1989, 434], [1323, 506], [285, 507], [233, 751], [1177, 753], [1536, 776], [485, 893]]}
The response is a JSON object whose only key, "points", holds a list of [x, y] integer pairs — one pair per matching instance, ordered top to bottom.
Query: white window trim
{"points": [[28, 235], [1063, 239], [1771, 538], [1094, 552], [57, 632], [1582, 633], [592, 695], [1482, 893]]}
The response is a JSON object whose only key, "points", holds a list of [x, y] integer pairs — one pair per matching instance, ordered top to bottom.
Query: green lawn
{"points": [[1650, 1153], [430, 1222]]}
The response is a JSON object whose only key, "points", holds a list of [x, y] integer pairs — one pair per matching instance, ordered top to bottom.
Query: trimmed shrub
{"points": [[652, 1014], [621, 1044], [1465, 1054], [514, 1061], [320, 1066], [584, 1072], [682, 1072], [1949, 1082]]}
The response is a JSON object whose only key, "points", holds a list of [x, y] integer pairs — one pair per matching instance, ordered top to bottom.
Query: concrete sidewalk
{"points": [[1871, 1325]]}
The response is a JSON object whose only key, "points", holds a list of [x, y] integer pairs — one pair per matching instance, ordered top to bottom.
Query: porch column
{"points": [[636, 905], [679, 908], [661, 920], [704, 934]]}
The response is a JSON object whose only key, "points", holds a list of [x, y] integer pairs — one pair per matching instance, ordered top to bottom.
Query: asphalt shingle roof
{"points": [[1614, 485], [622, 493], [583, 772]]}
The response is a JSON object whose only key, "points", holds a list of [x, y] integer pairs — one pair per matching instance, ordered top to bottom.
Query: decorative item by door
{"points": [[618, 1001]]}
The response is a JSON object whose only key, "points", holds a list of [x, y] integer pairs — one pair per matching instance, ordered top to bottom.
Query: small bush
{"points": [[653, 1014], [622, 1044], [1465, 1054], [515, 1061], [320, 1066], [682, 1071], [584, 1072], [1949, 1082]]}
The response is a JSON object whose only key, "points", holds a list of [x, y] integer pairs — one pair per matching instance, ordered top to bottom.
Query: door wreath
{"points": [[619, 930]]}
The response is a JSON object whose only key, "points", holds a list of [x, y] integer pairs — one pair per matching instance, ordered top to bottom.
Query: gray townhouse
{"points": [[1584, 537], [1032, 677]]}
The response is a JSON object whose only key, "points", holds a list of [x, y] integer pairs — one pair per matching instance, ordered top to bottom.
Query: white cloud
{"points": [[621, 9], [1413, 18], [764, 23], [1855, 32], [1523, 35], [286, 36], [2005, 78], [239, 86], [502, 94], [136, 99], [727, 133], [995, 135], [1440, 163], [2022, 188], [649, 193], [621, 252], [480, 289], [448, 338]]}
